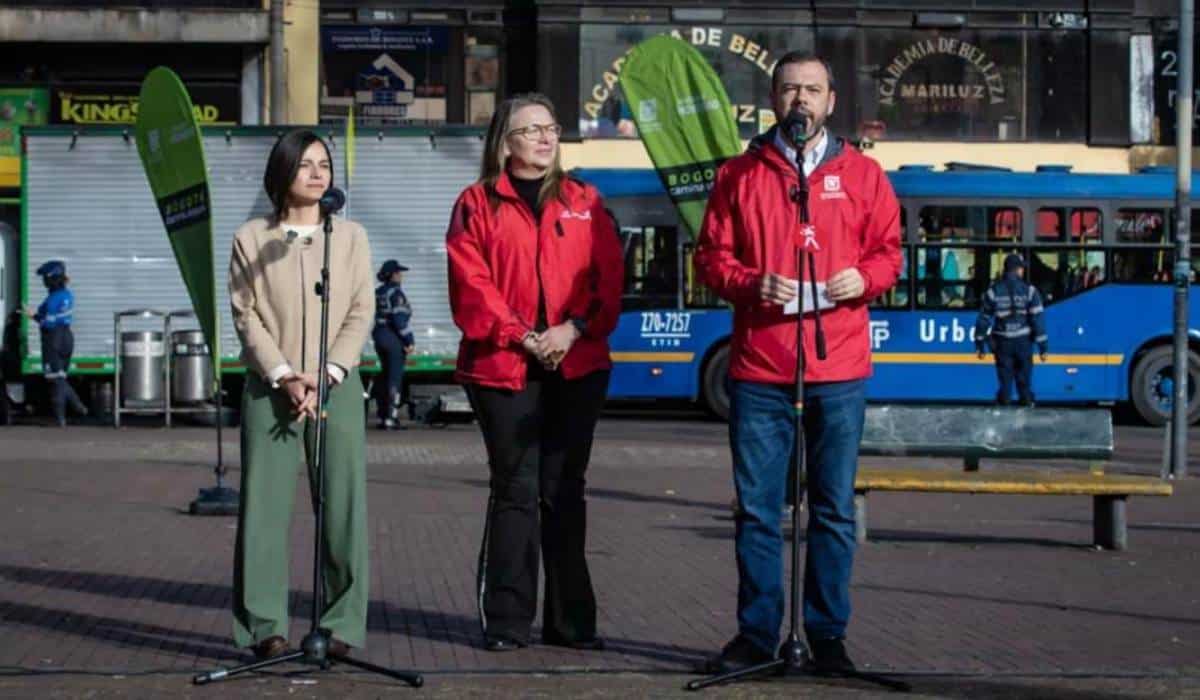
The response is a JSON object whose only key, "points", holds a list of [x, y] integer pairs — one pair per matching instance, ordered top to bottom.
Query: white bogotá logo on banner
{"points": [[688, 106], [648, 110]]}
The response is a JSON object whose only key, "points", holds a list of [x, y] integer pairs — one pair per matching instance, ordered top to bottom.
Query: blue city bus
{"points": [[1100, 250]]}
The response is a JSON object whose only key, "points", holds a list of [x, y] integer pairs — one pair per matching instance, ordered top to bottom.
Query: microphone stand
{"points": [[314, 648], [793, 657]]}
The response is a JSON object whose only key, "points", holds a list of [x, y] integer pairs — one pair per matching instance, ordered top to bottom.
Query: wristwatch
{"points": [[580, 325]]}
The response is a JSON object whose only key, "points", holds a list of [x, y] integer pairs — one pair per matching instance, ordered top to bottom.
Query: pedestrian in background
{"points": [[54, 317], [1011, 322], [393, 338]]}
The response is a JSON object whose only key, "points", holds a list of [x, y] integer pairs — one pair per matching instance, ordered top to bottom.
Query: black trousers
{"points": [[58, 344], [1014, 364], [389, 393], [539, 442]]}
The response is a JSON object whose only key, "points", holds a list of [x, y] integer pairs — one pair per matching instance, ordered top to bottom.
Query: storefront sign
{"points": [[743, 56], [388, 73], [981, 82], [1166, 87], [118, 104], [20, 107]]}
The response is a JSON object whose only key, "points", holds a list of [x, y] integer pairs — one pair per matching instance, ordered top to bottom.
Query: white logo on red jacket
{"points": [[833, 188], [582, 216], [809, 232]]}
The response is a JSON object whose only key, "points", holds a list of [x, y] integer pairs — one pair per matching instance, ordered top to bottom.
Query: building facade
{"points": [[1089, 83]]}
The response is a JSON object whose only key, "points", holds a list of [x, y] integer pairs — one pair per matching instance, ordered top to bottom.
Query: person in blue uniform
{"points": [[54, 317], [1011, 318], [393, 341]]}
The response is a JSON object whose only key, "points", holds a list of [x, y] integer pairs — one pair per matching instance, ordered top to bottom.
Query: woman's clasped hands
{"points": [[552, 345]]}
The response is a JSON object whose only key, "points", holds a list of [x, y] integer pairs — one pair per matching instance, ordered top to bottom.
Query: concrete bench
{"points": [[975, 432]]}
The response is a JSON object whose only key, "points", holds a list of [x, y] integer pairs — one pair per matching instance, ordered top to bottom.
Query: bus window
{"points": [[958, 223], [1050, 225], [1086, 225], [1141, 226], [1142, 265], [650, 267], [1061, 272], [949, 277], [696, 295], [897, 296]]}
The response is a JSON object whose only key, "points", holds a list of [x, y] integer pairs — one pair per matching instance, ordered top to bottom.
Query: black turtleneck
{"points": [[528, 191]]}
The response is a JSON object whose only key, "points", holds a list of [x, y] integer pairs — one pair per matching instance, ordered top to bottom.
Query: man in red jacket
{"points": [[747, 255]]}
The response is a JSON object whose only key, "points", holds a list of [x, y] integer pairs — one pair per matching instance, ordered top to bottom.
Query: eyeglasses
{"points": [[535, 132]]}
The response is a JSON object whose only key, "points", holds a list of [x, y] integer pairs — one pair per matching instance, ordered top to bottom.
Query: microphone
{"points": [[795, 126], [332, 201]]}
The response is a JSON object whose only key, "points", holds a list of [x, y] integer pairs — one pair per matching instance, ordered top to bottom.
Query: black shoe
{"points": [[502, 644], [593, 644], [337, 647], [270, 648], [738, 654], [829, 658]]}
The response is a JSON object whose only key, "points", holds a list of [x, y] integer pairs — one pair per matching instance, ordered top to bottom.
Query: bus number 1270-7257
{"points": [[670, 326]]}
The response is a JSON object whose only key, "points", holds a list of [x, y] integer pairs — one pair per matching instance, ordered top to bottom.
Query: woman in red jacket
{"points": [[535, 287]]}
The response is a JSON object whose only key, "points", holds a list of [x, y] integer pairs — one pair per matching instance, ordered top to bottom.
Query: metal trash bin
{"points": [[142, 358], [191, 367]]}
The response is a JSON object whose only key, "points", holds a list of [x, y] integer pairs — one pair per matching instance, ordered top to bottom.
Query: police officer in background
{"points": [[1011, 319], [393, 341], [58, 343]]}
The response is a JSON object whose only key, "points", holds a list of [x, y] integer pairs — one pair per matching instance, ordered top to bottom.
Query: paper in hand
{"points": [[824, 302]]}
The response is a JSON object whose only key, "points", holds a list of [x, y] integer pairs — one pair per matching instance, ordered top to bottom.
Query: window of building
{"points": [[741, 55], [482, 77], [972, 84]]}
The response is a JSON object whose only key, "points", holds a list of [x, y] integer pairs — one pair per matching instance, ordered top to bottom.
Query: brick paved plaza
{"points": [[111, 590]]}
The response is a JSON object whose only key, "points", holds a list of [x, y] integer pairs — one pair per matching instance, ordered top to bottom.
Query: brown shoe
{"points": [[270, 647], [338, 648]]}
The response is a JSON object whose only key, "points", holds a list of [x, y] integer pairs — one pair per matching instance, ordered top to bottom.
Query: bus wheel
{"points": [[716, 383], [1152, 385]]}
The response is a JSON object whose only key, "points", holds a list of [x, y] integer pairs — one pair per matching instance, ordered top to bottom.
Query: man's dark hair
{"points": [[800, 57], [284, 163]]}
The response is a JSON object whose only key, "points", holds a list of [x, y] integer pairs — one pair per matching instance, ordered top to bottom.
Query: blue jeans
{"points": [[762, 437]]}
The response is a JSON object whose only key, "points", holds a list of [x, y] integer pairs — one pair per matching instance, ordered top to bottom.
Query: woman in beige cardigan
{"points": [[274, 266]]}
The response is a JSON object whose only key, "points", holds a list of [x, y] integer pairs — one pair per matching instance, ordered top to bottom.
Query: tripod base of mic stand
{"points": [[219, 500], [314, 649], [793, 655], [794, 659]]}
